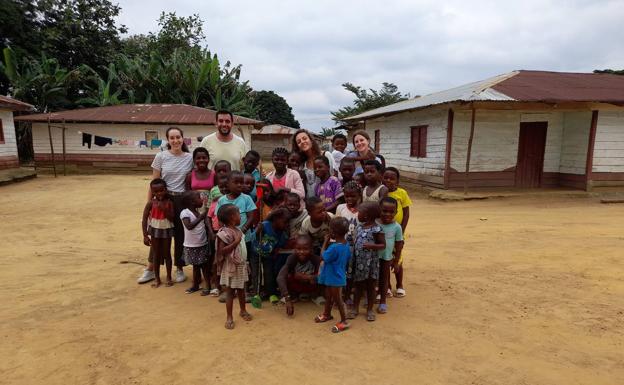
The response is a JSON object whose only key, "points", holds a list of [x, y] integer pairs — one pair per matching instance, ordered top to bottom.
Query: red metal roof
{"points": [[543, 86], [14, 104], [179, 114]]}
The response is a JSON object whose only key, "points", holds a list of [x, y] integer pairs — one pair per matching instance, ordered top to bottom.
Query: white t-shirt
{"points": [[232, 151], [338, 158], [173, 168], [343, 211], [195, 237]]}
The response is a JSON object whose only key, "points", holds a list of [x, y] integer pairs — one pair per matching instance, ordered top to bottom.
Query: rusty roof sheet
{"points": [[519, 86], [543, 86], [14, 104], [179, 114], [275, 129]]}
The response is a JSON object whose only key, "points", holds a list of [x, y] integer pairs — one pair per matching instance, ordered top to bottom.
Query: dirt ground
{"points": [[521, 291]]}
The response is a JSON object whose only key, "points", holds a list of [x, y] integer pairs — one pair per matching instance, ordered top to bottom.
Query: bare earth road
{"points": [[532, 295]]}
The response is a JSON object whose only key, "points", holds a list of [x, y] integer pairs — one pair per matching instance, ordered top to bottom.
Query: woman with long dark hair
{"points": [[304, 144]]}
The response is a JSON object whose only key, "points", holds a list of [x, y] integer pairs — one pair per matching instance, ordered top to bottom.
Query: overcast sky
{"points": [[304, 50]]}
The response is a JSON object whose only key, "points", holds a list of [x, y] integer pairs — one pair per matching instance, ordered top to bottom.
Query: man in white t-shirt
{"points": [[223, 145]]}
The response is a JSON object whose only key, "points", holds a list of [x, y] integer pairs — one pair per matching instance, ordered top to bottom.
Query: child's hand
{"points": [[146, 240], [290, 308]]}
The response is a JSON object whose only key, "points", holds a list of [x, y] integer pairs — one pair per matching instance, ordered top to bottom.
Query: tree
{"points": [[175, 32], [609, 71], [366, 100], [273, 109], [329, 132]]}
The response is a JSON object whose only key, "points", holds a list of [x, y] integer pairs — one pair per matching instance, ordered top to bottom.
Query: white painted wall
{"points": [[73, 140], [395, 140], [575, 140], [609, 145], [9, 148]]}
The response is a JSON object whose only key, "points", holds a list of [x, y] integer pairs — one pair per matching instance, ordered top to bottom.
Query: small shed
{"points": [[523, 129], [122, 136], [270, 137], [8, 143]]}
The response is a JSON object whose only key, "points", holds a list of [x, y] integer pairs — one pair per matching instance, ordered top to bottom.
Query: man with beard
{"points": [[223, 144]]}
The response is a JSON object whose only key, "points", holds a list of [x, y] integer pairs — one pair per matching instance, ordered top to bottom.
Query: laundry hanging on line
{"points": [[86, 139], [102, 141]]}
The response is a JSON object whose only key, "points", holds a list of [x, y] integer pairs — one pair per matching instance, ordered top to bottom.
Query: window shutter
{"points": [[1, 132], [414, 141], [422, 141], [377, 144]]}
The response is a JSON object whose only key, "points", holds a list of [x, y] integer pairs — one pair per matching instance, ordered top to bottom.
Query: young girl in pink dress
{"points": [[201, 178]]}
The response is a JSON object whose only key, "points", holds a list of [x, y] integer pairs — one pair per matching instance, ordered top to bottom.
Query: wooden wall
{"points": [[395, 143], [8, 149], [608, 163]]}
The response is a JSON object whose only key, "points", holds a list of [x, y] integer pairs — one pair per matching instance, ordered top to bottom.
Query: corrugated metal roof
{"points": [[523, 86], [14, 104], [179, 114], [275, 129]]}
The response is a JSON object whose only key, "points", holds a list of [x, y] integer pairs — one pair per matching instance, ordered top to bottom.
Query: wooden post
{"points": [[51, 146], [449, 147], [469, 151], [590, 151], [64, 164]]}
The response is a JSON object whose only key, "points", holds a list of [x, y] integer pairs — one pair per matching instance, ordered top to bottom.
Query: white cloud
{"points": [[304, 50]]}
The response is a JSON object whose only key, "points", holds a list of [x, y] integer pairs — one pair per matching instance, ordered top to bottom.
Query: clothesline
{"points": [[101, 141]]}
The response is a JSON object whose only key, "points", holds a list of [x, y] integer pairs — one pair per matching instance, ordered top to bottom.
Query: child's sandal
{"points": [[322, 318], [340, 327]]}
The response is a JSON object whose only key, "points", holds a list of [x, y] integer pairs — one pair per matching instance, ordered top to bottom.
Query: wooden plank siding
{"points": [[395, 143], [8, 147], [608, 161]]}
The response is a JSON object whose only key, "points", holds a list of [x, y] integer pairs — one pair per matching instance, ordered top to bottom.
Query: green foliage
{"points": [[175, 32], [609, 71], [366, 100], [273, 109], [328, 132]]}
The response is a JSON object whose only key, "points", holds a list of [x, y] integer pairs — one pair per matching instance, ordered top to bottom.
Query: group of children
{"points": [[255, 238]]}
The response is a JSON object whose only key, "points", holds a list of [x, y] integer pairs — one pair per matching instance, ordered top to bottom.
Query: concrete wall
{"points": [[8, 148]]}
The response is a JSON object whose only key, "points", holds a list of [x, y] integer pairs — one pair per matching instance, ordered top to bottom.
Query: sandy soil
{"points": [[532, 295]]}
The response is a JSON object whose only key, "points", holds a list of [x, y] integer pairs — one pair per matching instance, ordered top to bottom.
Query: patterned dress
{"points": [[366, 261]]}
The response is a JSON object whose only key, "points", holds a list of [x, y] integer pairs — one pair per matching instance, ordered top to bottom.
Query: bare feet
{"points": [[169, 283], [156, 284], [246, 316], [229, 324]]}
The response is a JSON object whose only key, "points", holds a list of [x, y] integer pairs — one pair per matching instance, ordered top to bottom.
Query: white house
{"points": [[523, 129], [121, 136], [8, 143]]}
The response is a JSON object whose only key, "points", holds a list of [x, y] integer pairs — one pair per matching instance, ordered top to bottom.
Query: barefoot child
{"points": [[251, 160], [222, 171], [201, 178], [391, 180], [329, 189], [374, 190], [157, 227], [368, 243], [196, 249], [392, 253], [232, 261], [333, 272], [299, 273]]}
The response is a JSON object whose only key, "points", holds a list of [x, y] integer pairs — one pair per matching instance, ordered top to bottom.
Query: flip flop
{"points": [[169, 283], [191, 290], [205, 292], [400, 293], [274, 299], [256, 301], [382, 309], [352, 314], [370, 316], [322, 318], [229, 324], [340, 327]]}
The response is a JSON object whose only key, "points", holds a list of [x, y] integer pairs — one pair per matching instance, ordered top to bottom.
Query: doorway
{"points": [[531, 149]]}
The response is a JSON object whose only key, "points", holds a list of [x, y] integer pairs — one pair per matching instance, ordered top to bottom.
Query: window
{"points": [[1, 133], [149, 135], [377, 144], [418, 147]]}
